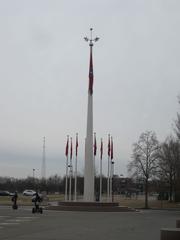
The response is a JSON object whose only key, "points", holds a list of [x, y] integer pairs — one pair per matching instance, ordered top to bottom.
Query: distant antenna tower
{"points": [[43, 170]]}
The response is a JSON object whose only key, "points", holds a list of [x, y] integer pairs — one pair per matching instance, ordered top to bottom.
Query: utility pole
{"points": [[43, 169]]}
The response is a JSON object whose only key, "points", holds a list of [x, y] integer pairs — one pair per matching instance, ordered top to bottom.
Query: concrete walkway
{"points": [[53, 225]]}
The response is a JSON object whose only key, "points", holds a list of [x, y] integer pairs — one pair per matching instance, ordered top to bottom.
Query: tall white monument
{"points": [[89, 160]]}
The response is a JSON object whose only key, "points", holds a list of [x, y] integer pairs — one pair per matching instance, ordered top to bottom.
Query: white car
{"points": [[29, 192]]}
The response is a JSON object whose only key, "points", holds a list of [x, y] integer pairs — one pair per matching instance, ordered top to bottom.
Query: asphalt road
{"points": [[52, 225]]}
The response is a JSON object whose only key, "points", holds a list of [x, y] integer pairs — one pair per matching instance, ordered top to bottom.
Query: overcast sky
{"points": [[44, 64]]}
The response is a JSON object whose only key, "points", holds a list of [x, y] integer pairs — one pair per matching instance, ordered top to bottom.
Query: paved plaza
{"points": [[52, 225]]}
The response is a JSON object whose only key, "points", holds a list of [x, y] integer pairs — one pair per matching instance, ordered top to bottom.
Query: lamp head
{"points": [[86, 39], [96, 39]]}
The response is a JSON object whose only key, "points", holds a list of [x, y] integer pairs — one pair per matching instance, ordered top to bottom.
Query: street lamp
{"points": [[34, 173]]}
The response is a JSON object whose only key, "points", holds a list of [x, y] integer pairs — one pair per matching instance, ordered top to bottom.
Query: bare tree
{"points": [[177, 123], [177, 131], [144, 163], [168, 163]]}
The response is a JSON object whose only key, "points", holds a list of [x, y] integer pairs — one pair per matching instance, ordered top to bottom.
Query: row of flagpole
{"points": [[69, 166], [110, 168]]}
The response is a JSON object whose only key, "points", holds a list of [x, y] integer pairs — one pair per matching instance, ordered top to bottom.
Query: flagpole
{"points": [[94, 154], [89, 160], [108, 167], [111, 168], [70, 172], [66, 178], [100, 180], [70, 181], [108, 181], [112, 181], [66, 183], [75, 184], [100, 184], [110, 195]]}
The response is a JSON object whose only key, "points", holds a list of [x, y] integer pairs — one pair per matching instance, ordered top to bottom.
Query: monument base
{"points": [[91, 207]]}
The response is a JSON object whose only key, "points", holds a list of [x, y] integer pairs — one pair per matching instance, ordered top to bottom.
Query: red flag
{"points": [[91, 77], [76, 144], [95, 145], [67, 147], [111, 148], [101, 149], [71, 150]]}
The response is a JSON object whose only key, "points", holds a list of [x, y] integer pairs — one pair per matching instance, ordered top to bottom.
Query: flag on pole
{"points": [[91, 77], [76, 144], [95, 144], [67, 147], [111, 148], [101, 149], [71, 150]]}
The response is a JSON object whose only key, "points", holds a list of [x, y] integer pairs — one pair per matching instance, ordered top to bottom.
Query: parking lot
{"points": [[52, 225]]}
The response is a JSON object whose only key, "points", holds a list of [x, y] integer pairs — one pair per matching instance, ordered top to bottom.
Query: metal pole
{"points": [[67, 160], [89, 164], [43, 169], [33, 173], [70, 173], [34, 177], [70, 178], [100, 179], [75, 181], [108, 181], [112, 181], [66, 183], [75, 187], [110, 195]]}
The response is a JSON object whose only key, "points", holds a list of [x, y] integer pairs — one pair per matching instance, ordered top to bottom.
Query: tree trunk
{"points": [[170, 188], [177, 189], [146, 193]]}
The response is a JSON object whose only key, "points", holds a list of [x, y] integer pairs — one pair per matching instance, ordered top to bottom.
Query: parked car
{"points": [[29, 192], [5, 193]]}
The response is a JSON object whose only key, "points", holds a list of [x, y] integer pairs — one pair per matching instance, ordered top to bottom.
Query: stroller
{"points": [[37, 199]]}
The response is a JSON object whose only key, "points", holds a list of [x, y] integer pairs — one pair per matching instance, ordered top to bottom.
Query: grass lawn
{"points": [[22, 200], [27, 200], [123, 201], [153, 203]]}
